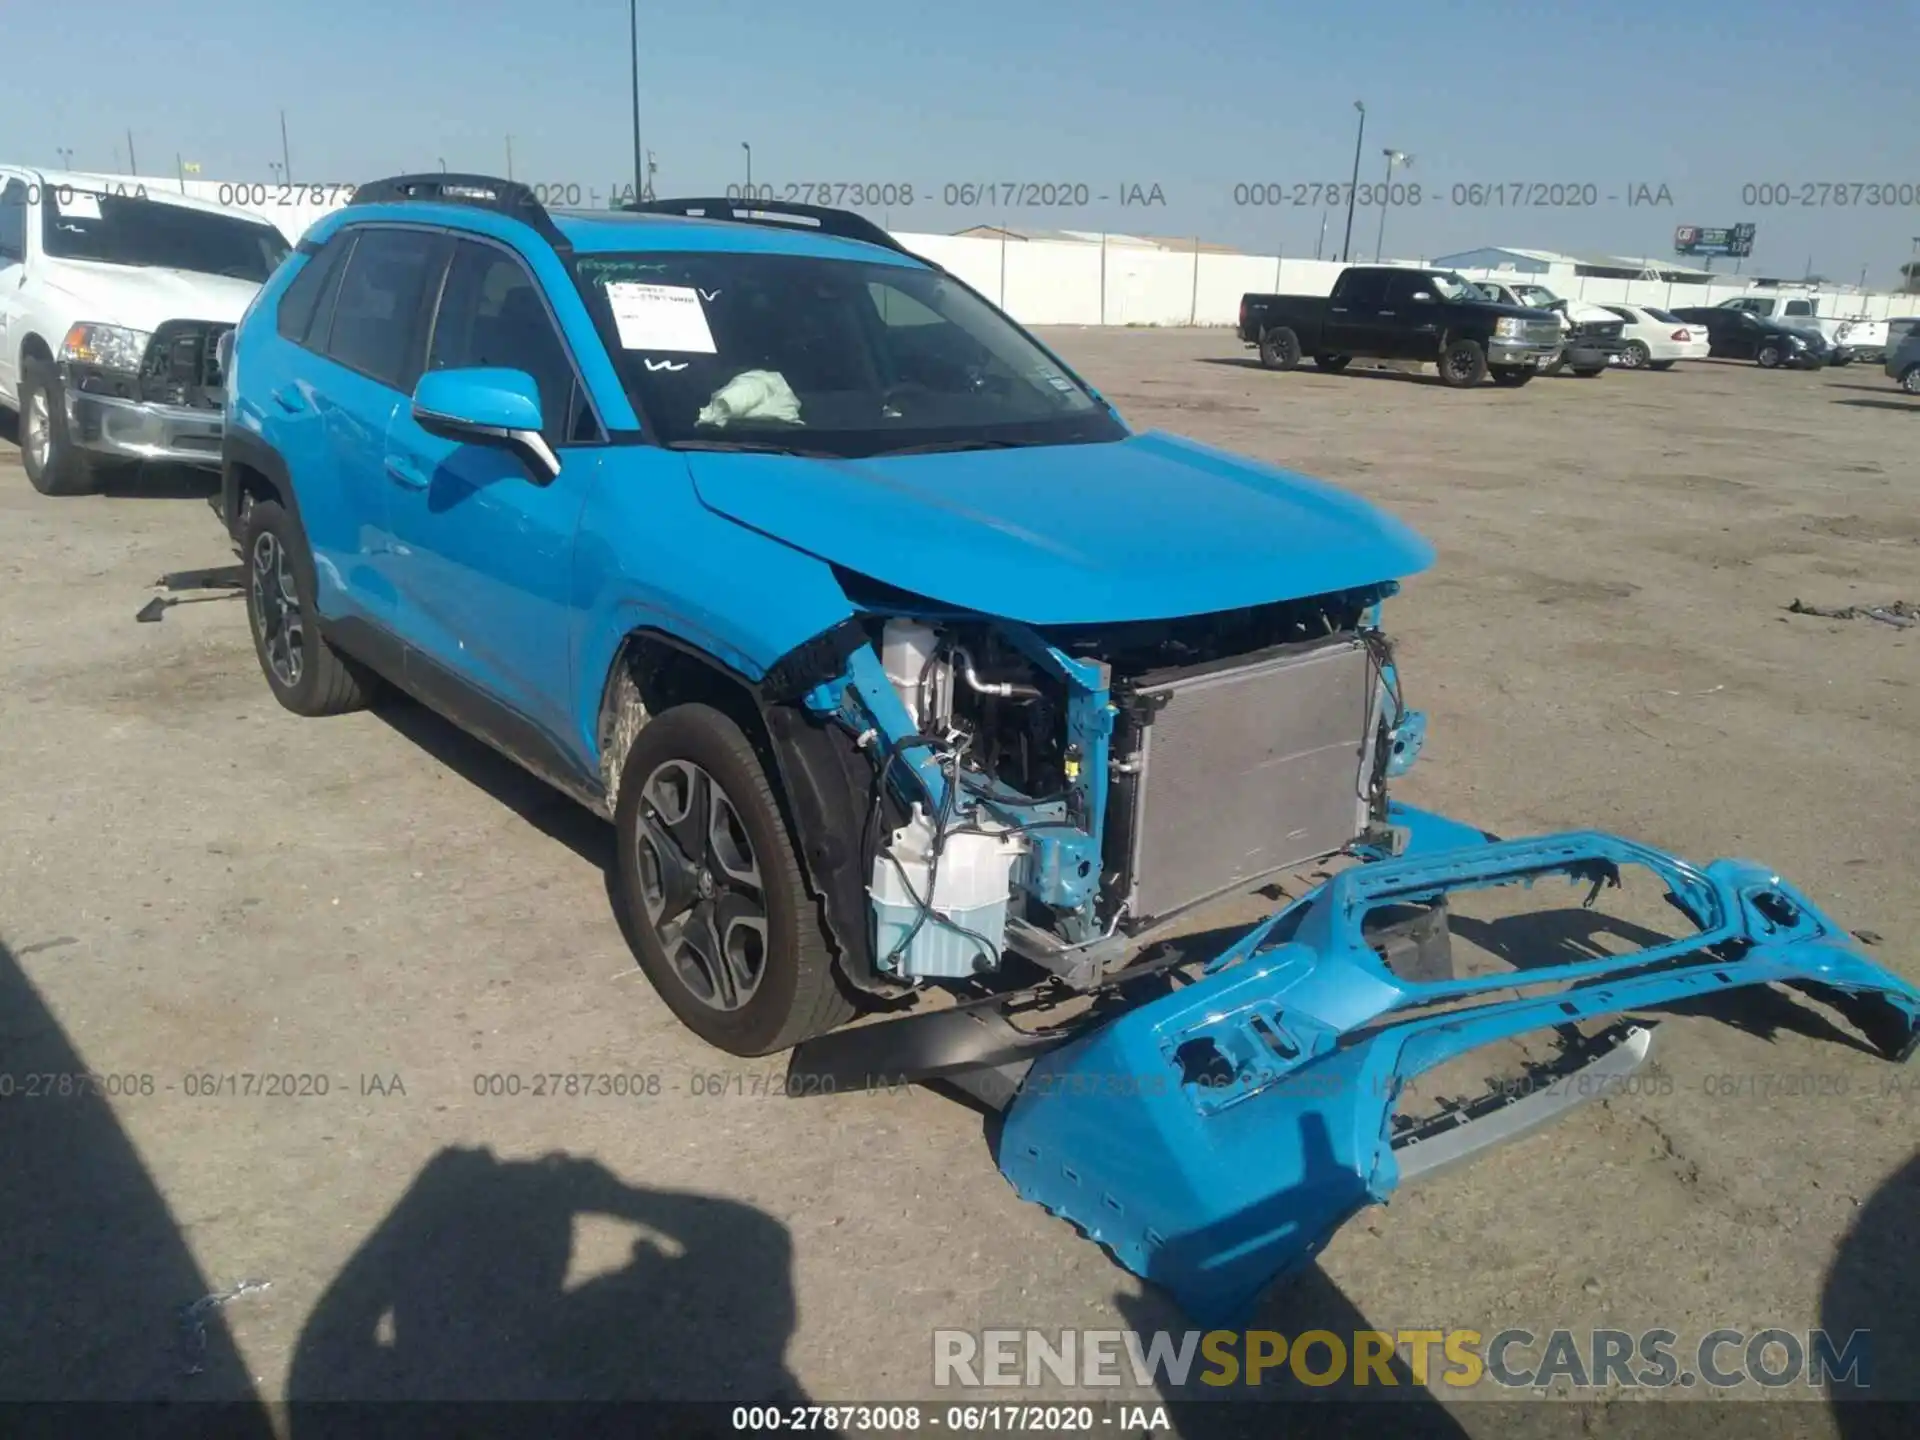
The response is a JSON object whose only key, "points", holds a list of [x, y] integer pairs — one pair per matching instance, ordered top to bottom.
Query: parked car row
{"points": [[1514, 330]]}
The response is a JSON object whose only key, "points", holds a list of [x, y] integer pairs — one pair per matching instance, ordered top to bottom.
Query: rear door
{"points": [[367, 343], [485, 553]]}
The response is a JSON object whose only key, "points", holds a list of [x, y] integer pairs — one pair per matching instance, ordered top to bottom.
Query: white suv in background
{"points": [[113, 299], [1655, 339]]}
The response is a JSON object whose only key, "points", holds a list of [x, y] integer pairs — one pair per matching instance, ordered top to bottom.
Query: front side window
{"points": [[131, 230], [1449, 286], [376, 315], [491, 315], [741, 350]]}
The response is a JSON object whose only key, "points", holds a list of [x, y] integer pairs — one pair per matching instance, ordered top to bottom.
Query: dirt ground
{"points": [[201, 888]]}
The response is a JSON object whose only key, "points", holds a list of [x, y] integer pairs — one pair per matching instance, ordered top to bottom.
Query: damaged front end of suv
{"points": [[1047, 801]]}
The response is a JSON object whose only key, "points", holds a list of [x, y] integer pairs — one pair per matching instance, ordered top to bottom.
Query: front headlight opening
{"points": [[1509, 327], [108, 347]]}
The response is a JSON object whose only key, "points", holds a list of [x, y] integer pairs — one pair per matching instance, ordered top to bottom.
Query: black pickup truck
{"points": [[1394, 312]]}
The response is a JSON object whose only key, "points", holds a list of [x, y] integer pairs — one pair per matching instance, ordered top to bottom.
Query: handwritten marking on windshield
{"points": [[675, 365]]}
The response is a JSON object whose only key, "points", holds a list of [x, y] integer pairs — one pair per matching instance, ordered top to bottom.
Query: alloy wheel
{"points": [[39, 436], [276, 608], [701, 885]]}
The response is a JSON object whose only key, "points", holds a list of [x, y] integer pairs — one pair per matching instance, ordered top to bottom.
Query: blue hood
{"points": [[1146, 528]]}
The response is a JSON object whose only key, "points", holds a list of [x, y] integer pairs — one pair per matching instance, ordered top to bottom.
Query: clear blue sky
{"points": [[1701, 97]]}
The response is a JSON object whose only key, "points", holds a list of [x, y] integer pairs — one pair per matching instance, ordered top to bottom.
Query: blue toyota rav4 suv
{"points": [[902, 665]]}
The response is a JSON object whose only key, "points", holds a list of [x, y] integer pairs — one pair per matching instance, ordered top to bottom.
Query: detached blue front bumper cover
{"points": [[1217, 1137]]}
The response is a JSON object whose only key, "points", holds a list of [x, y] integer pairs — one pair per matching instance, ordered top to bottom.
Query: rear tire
{"points": [[1279, 349], [1634, 355], [1768, 358], [1333, 364], [1463, 364], [1587, 372], [1512, 376], [1910, 380], [54, 464], [306, 674], [692, 782]]}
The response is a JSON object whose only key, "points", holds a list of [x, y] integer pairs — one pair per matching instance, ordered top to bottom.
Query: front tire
{"points": [[1279, 349], [1635, 356], [1768, 358], [1463, 364], [1659, 364], [1587, 372], [1512, 376], [1910, 380], [54, 464], [306, 674], [716, 907]]}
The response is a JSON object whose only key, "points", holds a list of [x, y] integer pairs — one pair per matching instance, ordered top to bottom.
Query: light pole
{"points": [[749, 149], [65, 153], [639, 155], [509, 157], [1394, 157], [286, 160], [443, 163], [278, 173], [1323, 233], [1346, 246]]}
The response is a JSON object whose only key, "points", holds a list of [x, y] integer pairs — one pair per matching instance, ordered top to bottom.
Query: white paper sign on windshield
{"points": [[77, 204], [660, 317]]}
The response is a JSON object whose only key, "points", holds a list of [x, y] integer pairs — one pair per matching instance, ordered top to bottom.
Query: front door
{"points": [[483, 550]]}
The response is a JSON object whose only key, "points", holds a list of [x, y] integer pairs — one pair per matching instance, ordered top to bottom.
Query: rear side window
{"points": [[13, 221], [1362, 288], [1624, 313], [492, 315], [376, 316], [1665, 317], [294, 319]]}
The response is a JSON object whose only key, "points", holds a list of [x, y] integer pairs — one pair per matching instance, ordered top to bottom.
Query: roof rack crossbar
{"points": [[483, 192], [777, 213]]}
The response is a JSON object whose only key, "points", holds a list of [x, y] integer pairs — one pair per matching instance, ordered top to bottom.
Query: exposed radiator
{"points": [[1242, 769]]}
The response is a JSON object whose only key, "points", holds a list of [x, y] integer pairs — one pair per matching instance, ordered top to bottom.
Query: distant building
{"points": [[1185, 245], [1601, 267]]}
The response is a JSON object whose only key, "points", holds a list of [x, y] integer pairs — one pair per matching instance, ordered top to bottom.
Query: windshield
{"points": [[129, 230], [1455, 287], [1537, 297], [736, 350]]}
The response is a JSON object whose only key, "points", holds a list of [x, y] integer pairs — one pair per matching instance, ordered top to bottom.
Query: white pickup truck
{"points": [[113, 299], [1592, 332]]}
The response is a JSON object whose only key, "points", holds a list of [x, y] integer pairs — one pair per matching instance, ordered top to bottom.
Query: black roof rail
{"points": [[484, 192], [777, 213]]}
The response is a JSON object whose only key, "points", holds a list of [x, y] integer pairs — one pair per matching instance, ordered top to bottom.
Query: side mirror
{"points": [[487, 407]]}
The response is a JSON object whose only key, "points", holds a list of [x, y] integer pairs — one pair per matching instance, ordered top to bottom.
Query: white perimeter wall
{"points": [[1045, 282]]}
